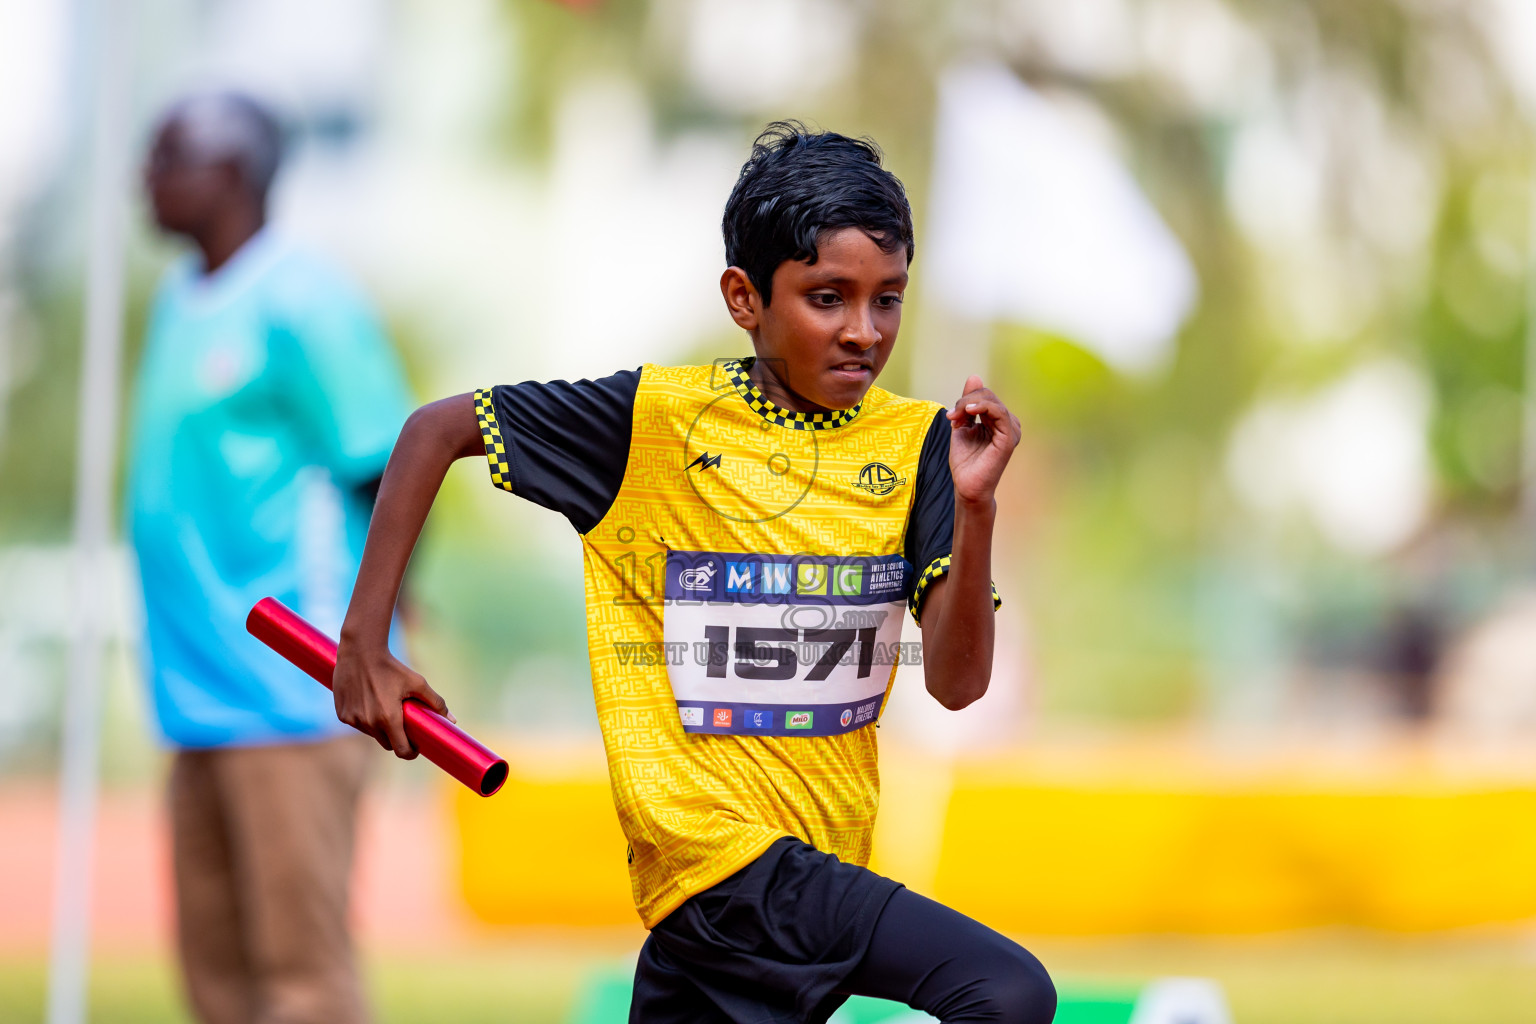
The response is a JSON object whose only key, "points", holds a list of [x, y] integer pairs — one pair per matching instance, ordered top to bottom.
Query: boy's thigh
{"points": [[773, 942], [944, 963], [663, 994]]}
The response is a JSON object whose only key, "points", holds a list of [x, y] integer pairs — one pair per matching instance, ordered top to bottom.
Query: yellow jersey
{"points": [[746, 571]]}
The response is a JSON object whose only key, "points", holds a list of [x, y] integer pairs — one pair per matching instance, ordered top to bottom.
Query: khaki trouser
{"points": [[262, 846]]}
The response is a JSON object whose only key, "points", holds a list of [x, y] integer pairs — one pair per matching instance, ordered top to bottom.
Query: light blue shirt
{"points": [[266, 395]]}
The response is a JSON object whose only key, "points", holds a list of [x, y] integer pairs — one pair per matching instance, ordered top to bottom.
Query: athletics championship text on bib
{"points": [[781, 646]]}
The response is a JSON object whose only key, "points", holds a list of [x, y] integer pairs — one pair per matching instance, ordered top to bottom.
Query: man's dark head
{"points": [[211, 152], [797, 186]]}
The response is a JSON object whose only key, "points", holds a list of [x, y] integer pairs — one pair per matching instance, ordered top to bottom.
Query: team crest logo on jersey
{"points": [[878, 479]]}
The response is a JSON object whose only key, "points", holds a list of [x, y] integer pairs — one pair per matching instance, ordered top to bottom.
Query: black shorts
{"points": [[793, 934], [770, 943]]}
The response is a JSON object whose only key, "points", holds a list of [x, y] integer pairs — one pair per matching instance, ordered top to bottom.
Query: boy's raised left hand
{"points": [[982, 437]]}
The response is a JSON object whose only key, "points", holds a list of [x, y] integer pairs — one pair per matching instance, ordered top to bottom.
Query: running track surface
{"points": [[404, 835]]}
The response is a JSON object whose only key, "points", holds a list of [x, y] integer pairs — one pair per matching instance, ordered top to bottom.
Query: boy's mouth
{"points": [[853, 370]]}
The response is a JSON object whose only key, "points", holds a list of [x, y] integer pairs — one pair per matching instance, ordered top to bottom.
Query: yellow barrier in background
{"points": [[1083, 844], [546, 849]]}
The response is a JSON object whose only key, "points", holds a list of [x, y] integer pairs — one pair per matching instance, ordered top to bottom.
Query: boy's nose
{"points": [[860, 331]]}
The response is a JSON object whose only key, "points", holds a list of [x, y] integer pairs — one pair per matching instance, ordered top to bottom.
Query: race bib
{"points": [[781, 646]]}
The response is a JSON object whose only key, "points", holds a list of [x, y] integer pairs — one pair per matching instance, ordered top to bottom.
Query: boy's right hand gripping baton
{"points": [[439, 740]]}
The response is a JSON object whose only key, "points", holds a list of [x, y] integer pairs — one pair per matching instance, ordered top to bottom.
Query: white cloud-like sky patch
{"points": [[751, 56], [1035, 220], [1350, 458]]}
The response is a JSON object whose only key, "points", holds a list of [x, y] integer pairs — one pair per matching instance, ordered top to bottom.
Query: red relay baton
{"points": [[439, 740]]}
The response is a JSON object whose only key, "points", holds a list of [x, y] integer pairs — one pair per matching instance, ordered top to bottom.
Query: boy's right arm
{"points": [[370, 684]]}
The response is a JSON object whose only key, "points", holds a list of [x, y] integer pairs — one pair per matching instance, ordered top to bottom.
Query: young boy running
{"points": [[752, 532]]}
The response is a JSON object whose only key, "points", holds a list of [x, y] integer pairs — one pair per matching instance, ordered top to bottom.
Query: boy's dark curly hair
{"points": [[799, 183]]}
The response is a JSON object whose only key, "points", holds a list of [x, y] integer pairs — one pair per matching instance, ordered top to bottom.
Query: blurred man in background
{"points": [[266, 406]]}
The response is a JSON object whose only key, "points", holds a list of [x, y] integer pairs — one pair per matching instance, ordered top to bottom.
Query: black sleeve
{"points": [[560, 445], [931, 523]]}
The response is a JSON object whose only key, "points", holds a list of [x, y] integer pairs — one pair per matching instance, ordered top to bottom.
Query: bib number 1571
{"points": [[777, 653]]}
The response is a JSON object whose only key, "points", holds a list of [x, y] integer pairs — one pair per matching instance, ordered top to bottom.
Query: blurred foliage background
{"points": [[1321, 472], [1302, 508]]}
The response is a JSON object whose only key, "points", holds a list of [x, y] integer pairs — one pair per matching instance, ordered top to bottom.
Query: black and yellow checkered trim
{"points": [[736, 370], [490, 433], [936, 568]]}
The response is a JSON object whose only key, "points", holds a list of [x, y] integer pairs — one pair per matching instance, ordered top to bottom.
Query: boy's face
{"points": [[831, 326]]}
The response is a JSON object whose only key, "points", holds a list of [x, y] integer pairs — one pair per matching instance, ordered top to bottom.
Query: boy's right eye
{"points": [[824, 299]]}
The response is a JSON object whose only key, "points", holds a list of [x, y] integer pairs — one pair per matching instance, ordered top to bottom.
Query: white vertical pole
{"points": [[96, 451]]}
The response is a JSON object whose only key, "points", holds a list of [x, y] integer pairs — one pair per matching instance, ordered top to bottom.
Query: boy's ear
{"points": [[741, 298]]}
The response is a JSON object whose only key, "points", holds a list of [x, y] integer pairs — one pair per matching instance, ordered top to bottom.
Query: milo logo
{"points": [[798, 719]]}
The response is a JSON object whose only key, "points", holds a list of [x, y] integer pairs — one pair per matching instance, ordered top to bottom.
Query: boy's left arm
{"points": [[957, 622]]}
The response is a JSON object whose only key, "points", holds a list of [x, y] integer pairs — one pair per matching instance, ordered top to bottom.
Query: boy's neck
{"points": [[773, 388]]}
